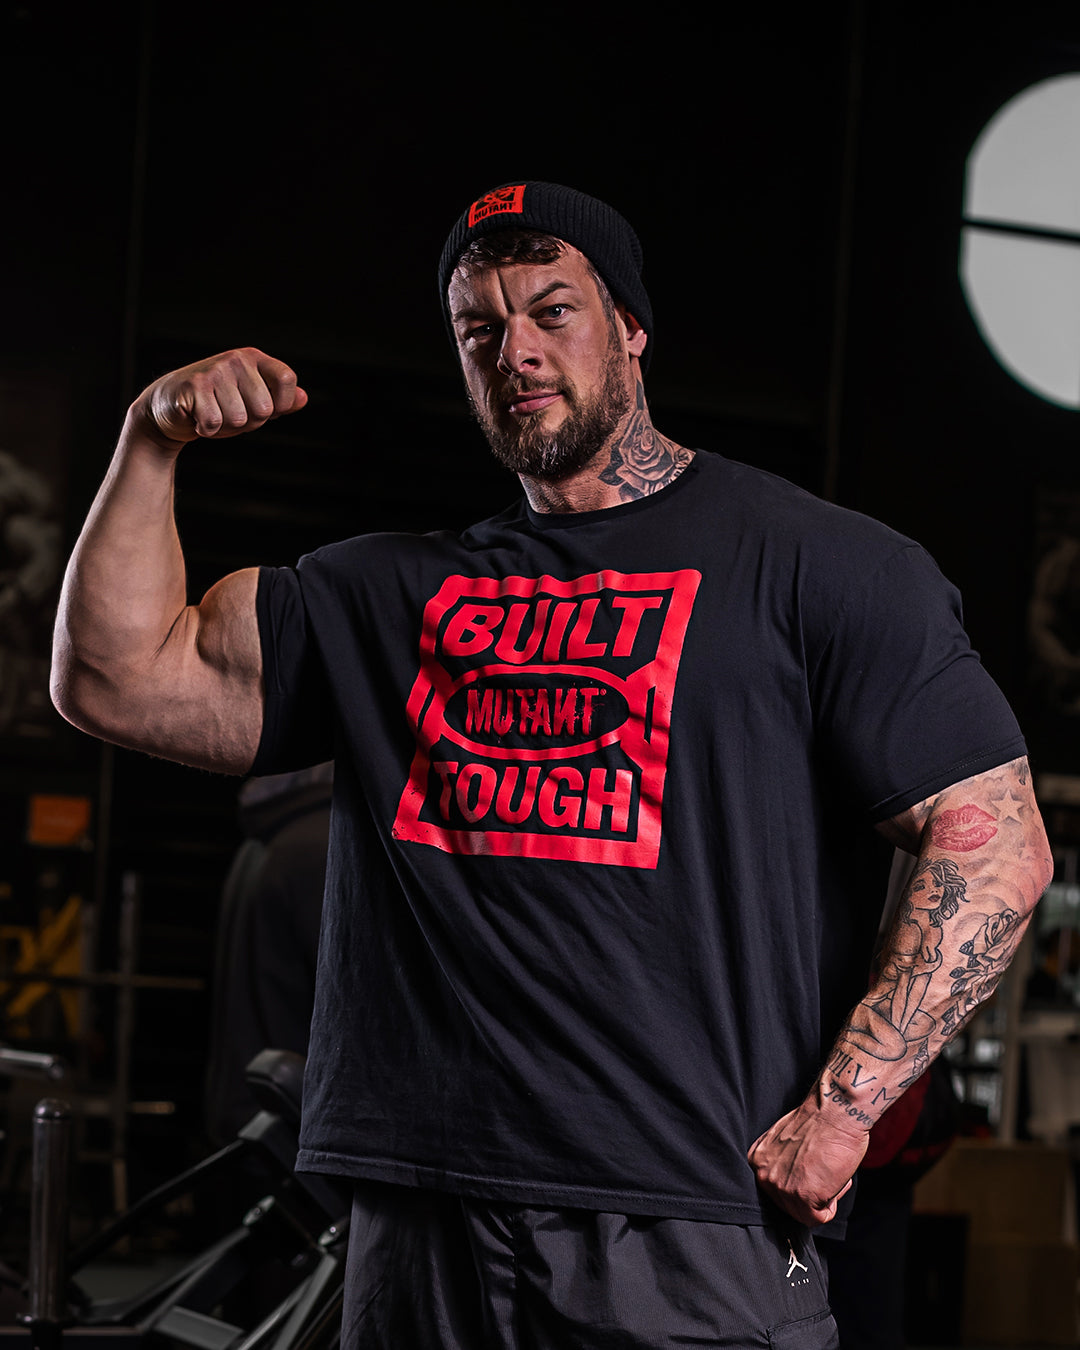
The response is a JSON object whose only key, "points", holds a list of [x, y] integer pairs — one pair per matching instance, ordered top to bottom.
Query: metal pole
{"points": [[130, 906], [30, 1064], [49, 1221]]}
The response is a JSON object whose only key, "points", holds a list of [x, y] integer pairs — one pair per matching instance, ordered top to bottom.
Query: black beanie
{"points": [[592, 226]]}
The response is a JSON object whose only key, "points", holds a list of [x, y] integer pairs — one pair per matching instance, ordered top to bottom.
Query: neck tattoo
{"points": [[643, 461]]}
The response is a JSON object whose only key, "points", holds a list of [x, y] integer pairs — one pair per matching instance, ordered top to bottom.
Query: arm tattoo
{"points": [[643, 461], [963, 830], [957, 927], [988, 953], [903, 1020]]}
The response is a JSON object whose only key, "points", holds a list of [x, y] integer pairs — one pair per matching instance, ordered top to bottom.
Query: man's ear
{"points": [[636, 336]]}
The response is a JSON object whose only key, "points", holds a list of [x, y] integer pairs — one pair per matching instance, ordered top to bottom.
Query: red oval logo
{"points": [[530, 715]]}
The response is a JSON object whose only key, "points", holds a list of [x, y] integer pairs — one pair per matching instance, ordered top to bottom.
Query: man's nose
{"points": [[519, 351]]}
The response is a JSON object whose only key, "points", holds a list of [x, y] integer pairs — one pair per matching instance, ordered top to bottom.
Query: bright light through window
{"points": [[1020, 244]]}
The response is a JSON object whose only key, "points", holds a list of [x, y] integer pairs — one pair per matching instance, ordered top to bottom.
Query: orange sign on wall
{"points": [[58, 821]]}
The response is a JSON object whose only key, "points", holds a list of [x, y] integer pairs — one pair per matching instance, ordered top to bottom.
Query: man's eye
{"points": [[555, 311], [481, 330]]}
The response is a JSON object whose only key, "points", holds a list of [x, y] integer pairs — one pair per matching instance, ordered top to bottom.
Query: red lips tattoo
{"points": [[962, 830]]}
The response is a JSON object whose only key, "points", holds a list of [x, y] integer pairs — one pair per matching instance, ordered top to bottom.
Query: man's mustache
{"points": [[524, 385]]}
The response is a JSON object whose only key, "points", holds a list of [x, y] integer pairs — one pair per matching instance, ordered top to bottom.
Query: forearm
{"points": [[124, 588], [133, 662], [983, 862], [982, 865]]}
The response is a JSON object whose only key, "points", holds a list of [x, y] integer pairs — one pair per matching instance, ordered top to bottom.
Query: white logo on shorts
{"points": [[794, 1263]]}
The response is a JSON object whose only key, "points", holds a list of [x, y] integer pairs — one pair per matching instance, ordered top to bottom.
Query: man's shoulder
{"points": [[782, 511], [395, 549]]}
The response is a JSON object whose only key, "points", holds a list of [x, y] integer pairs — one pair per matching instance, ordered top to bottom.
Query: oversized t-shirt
{"points": [[602, 881]]}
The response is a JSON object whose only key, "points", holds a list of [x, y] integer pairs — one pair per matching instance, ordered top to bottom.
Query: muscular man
{"points": [[600, 897]]}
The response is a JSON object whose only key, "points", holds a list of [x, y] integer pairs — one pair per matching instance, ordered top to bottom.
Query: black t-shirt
{"points": [[602, 883]]}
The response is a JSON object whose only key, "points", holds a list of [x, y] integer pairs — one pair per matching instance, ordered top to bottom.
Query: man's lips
{"points": [[533, 400]]}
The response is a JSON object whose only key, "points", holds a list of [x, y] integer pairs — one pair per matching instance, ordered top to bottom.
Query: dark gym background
{"points": [[183, 178]]}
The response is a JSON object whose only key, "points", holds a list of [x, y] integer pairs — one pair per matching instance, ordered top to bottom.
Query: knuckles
{"points": [[240, 358], [234, 391]]}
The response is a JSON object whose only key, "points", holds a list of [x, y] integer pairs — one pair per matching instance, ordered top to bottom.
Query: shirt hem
{"points": [[955, 773], [547, 1195]]}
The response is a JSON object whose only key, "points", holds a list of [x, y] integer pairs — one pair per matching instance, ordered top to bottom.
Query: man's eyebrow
{"points": [[555, 286], [473, 313], [469, 314]]}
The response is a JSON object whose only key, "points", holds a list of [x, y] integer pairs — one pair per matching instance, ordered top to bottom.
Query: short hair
{"points": [[512, 246]]}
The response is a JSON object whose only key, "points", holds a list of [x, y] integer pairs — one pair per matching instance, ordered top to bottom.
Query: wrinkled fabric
{"points": [[602, 885], [429, 1271]]}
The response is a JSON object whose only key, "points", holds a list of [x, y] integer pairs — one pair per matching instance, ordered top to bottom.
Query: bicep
{"points": [[200, 700]]}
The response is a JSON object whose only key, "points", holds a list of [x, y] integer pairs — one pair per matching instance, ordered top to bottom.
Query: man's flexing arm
{"points": [[133, 662], [983, 863]]}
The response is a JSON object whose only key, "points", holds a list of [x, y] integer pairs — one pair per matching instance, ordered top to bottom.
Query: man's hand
{"points": [[225, 395], [805, 1163]]}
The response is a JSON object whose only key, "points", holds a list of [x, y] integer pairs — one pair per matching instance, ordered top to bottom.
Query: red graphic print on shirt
{"points": [[542, 712]]}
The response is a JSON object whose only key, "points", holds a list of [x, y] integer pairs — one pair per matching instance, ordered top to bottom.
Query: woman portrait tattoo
{"points": [[888, 1027]]}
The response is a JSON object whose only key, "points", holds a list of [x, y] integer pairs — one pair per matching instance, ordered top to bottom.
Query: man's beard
{"points": [[527, 448]]}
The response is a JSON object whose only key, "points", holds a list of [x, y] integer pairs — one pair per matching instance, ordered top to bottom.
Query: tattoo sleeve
{"points": [[983, 864]]}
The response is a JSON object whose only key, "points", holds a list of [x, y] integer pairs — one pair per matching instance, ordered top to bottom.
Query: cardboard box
{"points": [[1009, 1191], [1021, 1265], [1021, 1292]]}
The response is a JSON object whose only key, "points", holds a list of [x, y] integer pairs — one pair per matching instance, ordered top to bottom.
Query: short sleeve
{"points": [[903, 705], [297, 719]]}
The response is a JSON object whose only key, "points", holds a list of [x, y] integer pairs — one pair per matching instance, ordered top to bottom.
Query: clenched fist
{"points": [[225, 395], [806, 1161]]}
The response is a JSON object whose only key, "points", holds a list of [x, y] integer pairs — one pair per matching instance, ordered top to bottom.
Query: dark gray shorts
{"points": [[428, 1271]]}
